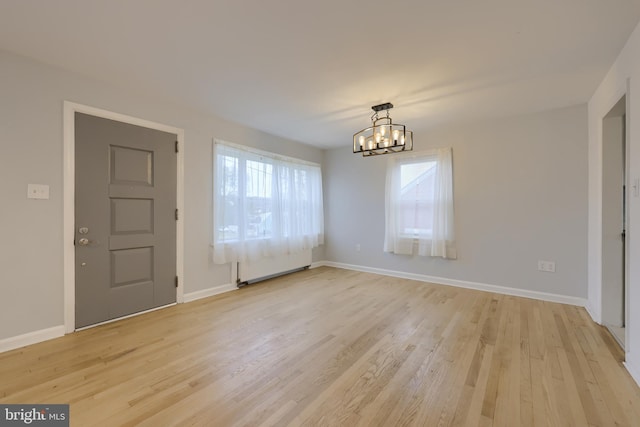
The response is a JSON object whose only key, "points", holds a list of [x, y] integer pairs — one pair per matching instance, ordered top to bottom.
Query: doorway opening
{"points": [[614, 218]]}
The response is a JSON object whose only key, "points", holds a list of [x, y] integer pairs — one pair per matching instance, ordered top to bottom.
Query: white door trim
{"points": [[68, 227], [594, 228]]}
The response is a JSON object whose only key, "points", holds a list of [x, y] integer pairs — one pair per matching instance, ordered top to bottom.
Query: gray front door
{"points": [[125, 229]]}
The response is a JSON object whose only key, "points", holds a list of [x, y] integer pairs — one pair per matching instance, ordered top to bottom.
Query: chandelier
{"points": [[383, 136]]}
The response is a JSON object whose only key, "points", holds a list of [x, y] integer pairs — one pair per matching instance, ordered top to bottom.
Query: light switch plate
{"points": [[37, 191]]}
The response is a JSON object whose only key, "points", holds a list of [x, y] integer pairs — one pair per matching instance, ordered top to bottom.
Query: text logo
{"points": [[34, 415]]}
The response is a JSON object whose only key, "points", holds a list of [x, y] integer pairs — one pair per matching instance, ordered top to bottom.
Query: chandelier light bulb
{"points": [[361, 139]]}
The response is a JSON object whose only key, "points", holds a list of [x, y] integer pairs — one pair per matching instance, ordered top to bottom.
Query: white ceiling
{"points": [[310, 71]]}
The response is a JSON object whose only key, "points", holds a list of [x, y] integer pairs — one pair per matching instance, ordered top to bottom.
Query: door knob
{"points": [[83, 241]]}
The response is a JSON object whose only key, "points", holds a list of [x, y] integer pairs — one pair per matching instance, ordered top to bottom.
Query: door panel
{"points": [[130, 166], [125, 208], [131, 216]]}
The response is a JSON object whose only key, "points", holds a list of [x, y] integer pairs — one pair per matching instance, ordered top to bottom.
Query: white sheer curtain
{"points": [[419, 204], [264, 205]]}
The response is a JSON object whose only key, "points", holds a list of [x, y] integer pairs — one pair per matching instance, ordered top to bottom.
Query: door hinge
{"points": [[177, 147], [177, 216], [176, 281]]}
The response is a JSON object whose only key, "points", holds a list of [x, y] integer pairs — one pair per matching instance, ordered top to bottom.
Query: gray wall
{"points": [[31, 102], [520, 194]]}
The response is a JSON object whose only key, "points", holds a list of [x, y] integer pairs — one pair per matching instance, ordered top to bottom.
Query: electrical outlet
{"points": [[37, 191], [547, 266]]}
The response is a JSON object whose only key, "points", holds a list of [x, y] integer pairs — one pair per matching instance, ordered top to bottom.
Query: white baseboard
{"points": [[317, 264], [192, 296], [544, 296], [593, 313], [58, 331], [31, 338], [632, 369]]}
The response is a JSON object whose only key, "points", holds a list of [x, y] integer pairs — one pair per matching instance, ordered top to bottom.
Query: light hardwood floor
{"points": [[335, 347]]}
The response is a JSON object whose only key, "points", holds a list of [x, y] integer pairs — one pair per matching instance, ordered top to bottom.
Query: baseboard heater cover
{"points": [[267, 268], [260, 279]]}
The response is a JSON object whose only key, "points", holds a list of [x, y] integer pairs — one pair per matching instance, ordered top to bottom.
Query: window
{"points": [[264, 204], [419, 204]]}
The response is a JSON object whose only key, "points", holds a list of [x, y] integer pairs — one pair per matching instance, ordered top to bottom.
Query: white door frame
{"points": [[68, 227], [594, 232], [625, 242]]}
